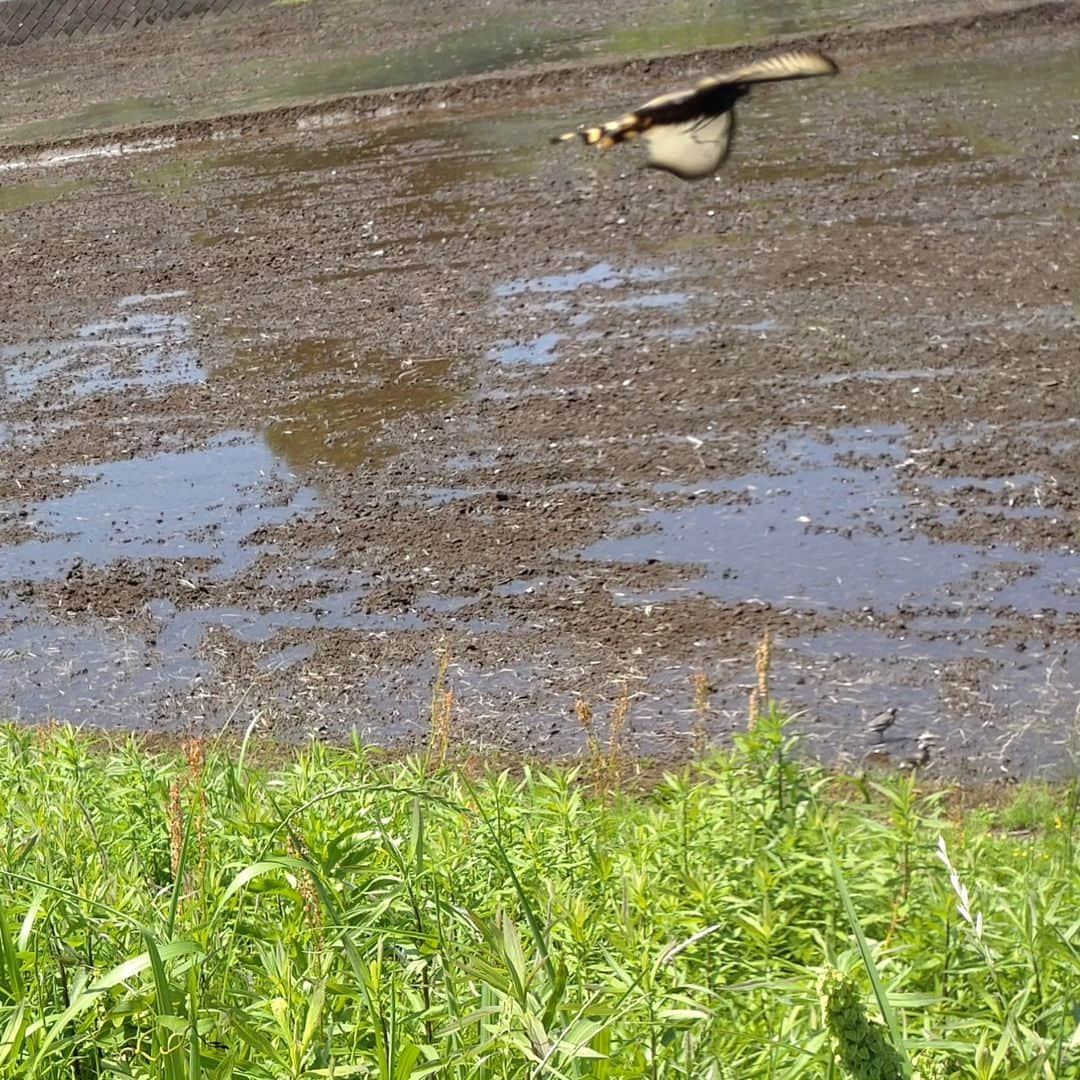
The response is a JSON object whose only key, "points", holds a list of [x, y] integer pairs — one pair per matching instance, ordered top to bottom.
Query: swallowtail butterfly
{"points": [[689, 132]]}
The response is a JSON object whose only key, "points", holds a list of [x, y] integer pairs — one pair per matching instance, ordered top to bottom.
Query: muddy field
{"points": [[284, 415]]}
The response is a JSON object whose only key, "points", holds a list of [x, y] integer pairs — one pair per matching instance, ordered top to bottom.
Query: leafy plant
{"points": [[194, 914]]}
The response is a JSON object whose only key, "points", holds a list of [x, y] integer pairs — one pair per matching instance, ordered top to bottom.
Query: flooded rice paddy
{"points": [[317, 408]]}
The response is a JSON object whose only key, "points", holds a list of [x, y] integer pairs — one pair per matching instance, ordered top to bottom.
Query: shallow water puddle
{"points": [[684, 25], [508, 42], [505, 43], [497, 44], [997, 94], [121, 113], [432, 150], [55, 158], [421, 170], [601, 275], [572, 299], [645, 301], [761, 327], [135, 348], [540, 350], [831, 378], [337, 398], [1019, 496], [170, 506], [200, 511], [190, 520], [835, 526], [831, 527], [186, 630], [92, 671], [96, 671], [991, 704]]}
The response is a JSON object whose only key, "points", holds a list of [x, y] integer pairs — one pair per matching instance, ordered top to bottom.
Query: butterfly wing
{"points": [[800, 64], [659, 119], [689, 132], [690, 149]]}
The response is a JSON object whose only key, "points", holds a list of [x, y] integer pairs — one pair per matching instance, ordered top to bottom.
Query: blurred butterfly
{"points": [[689, 132]]}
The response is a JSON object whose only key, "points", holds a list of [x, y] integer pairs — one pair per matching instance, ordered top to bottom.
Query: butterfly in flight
{"points": [[689, 132]]}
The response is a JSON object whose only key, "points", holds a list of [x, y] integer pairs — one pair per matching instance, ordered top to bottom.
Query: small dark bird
{"points": [[689, 132], [881, 723], [923, 746]]}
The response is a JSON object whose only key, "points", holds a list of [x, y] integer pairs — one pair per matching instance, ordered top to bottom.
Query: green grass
{"points": [[339, 915]]}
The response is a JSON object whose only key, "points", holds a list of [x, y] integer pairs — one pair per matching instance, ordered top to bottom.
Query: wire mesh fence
{"points": [[26, 20]]}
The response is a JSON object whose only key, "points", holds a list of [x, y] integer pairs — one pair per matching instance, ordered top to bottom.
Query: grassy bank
{"points": [[193, 915]]}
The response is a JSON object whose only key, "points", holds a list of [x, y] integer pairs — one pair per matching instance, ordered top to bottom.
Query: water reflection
{"points": [[500, 43], [421, 169], [601, 275], [571, 299], [135, 348], [541, 350], [342, 398], [174, 505], [832, 526]]}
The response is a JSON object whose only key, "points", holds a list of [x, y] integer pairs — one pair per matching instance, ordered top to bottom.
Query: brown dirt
{"points": [[315, 467]]}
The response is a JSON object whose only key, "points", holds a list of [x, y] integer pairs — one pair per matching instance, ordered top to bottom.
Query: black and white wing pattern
{"points": [[689, 132]]}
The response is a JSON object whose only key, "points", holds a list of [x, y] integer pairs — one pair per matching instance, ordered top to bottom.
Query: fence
{"points": [[25, 20]]}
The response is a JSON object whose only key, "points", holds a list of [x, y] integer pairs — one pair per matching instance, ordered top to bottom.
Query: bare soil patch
{"points": [[284, 416]]}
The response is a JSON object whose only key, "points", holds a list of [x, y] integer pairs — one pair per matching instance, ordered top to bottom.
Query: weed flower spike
{"points": [[759, 696], [963, 899]]}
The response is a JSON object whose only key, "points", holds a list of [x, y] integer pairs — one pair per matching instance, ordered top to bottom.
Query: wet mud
{"points": [[283, 417]]}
